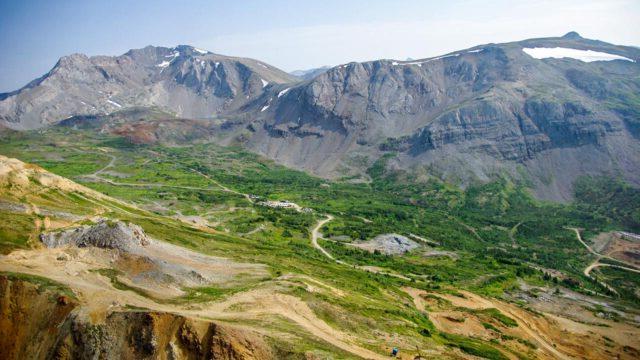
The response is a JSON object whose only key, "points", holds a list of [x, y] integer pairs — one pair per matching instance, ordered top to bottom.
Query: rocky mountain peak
{"points": [[572, 35], [189, 50], [68, 59], [184, 80]]}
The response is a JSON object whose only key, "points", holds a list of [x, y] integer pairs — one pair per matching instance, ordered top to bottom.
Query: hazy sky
{"points": [[292, 34]]}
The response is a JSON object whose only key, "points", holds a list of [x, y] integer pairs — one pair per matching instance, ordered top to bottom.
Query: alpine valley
{"points": [[174, 203]]}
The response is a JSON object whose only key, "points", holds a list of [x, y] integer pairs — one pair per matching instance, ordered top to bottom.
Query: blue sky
{"points": [[292, 34]]}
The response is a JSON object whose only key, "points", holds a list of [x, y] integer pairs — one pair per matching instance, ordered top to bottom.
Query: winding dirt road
{"points": [[113, 158], [315, 234], [512, 234], [597, 263], [594, 265], [99, 297]]}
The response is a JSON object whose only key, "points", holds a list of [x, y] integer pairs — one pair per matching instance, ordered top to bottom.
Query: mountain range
{"points": [[542, 111]]}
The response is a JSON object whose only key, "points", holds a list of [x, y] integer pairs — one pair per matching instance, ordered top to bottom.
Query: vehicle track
{"points": [[315, 234], [596, 263]]}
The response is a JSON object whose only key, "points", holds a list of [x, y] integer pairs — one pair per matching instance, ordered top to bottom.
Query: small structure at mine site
{"points": [[280, 204], [629, 236], [389, 244]]}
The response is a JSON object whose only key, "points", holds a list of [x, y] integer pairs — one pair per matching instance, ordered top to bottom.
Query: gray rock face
{"points": [[183, 80], [465, 117], [111, 235], [390, 244]]}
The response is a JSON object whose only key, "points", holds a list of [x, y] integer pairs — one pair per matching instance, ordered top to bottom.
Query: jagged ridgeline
{"points": [[183, 80], [524, 109]]}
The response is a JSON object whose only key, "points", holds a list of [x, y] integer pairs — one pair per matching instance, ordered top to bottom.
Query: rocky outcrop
{"points": [[105, 234], [389, 244], [157, 268], [30, 318], [39, 323], [154, 335]]}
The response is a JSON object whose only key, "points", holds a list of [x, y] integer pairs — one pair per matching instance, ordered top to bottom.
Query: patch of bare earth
{"points": [[159, 271], [99, 298], [555, 335]]}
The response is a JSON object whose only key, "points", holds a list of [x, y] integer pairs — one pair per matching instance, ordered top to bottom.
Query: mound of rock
{"points": [[104, 234], [390, 244], [158, 268]]}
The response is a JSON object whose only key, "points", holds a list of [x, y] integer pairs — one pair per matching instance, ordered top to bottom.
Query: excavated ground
{"points": [[159, 269], [37, 323], [555, 335]]}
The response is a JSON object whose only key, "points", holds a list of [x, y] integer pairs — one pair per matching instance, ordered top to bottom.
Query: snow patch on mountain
{"points": [[582, 55], [419, 63], [283, 92], [114, 103]]}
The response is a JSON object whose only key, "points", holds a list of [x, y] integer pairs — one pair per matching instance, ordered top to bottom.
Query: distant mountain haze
{"points": [[310, 73]]}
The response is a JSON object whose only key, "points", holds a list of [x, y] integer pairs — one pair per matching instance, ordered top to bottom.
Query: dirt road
{"points": [[577, 231], [315, 234], [512, 234], [596, 263], [528, 324]]}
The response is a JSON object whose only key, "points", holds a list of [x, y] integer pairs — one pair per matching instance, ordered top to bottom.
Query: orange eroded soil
{"points": [[555, 336]]}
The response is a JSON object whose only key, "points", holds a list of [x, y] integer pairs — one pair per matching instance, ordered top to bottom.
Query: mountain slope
{"points": [[183, 80], [543, 111], [466, 116], [310, 306]]}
